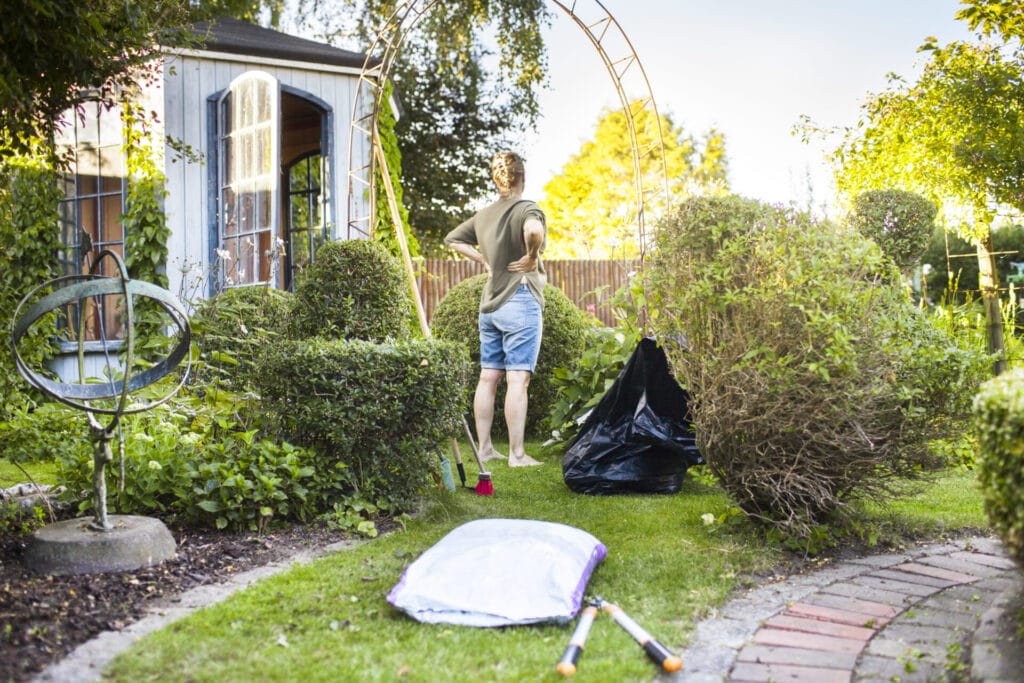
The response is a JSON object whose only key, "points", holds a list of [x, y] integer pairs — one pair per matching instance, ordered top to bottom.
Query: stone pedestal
{"points": [[72, 547]]}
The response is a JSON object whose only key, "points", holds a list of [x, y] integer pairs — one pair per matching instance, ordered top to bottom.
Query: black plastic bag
{"points": [[638, 438]]}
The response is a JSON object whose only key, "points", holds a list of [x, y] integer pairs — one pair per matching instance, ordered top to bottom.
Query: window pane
{"points": [[263, 98], [226, 118], [264, 155], [249, 157], [228, 160], [111, 168], [314, 170], [298, 178], [88, 184], [315, 206], [263, 210], [230, 211], [247, 213], [299, 216], [112, 231], [300, 249], [262, 256]]}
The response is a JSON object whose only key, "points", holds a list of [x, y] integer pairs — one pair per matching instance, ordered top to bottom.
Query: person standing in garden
{"points": [[507, 237]]}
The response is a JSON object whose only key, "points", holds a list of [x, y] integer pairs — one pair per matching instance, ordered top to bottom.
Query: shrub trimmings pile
{"points": [[815, 380]]}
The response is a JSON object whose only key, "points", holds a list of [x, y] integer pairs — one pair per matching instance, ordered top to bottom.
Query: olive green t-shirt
{"points": [[497, 232]]}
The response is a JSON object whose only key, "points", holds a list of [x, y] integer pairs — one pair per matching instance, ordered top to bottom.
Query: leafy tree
{"points": [[1004, 18], [54, 54], [461, 102], [457, 112], [955, 137], [590, 204], [959, 274]]}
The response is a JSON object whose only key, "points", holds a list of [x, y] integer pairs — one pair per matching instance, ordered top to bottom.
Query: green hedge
{"points": [[354, 289], [233, 327], [565, 328], [374, 413], [999, 425]]}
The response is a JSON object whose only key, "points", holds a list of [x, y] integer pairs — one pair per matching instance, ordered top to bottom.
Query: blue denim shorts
{"points": [[510, 336]]}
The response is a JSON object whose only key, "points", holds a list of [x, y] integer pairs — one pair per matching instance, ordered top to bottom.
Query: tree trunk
{"points": [[988, 282]]}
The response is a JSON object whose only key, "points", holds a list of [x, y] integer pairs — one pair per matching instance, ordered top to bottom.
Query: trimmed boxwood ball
{"points": [[899, 222], [354, 289], [456, 318], [232, 327], [999, 426]]}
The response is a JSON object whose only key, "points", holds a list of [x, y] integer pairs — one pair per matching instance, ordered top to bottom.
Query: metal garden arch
{"points": [[609, 41]]}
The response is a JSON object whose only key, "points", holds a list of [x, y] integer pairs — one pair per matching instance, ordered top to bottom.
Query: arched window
{"points": [[247, 155], [272, 181]]}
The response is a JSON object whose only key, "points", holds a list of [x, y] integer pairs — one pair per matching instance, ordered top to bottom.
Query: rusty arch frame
{"points": [[609, 40]]}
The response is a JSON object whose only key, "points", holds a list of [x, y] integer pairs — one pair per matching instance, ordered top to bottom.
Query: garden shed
{"points": [[249, 128]]}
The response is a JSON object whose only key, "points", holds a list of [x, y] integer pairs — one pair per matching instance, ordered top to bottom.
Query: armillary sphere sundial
{"points": [[106, 400]]}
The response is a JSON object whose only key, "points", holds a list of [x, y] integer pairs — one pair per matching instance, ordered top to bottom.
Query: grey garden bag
{"points": [[500, 572]]}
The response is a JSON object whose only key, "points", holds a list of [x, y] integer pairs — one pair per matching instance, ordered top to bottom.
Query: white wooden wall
{"points": [[188, 82]]}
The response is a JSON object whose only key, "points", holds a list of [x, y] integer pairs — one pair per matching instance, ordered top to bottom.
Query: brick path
{"points": [[936, 613]]}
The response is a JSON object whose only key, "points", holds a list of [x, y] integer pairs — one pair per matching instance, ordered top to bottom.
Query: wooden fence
{"points": [[588, 284]]}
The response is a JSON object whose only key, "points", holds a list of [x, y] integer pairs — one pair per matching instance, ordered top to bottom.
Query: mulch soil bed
{"points": [[43, 618]]}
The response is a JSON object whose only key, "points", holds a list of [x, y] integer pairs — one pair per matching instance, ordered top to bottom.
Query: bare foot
{"points": [[491, 455], [523, 461]]}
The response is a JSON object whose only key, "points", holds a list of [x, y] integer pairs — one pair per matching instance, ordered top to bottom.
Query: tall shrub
{"points": [[354, 289], [457, 318], [803, 359], [999, 426]]}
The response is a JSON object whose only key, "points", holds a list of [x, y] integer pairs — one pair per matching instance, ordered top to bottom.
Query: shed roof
{"points": [[242, 38]]}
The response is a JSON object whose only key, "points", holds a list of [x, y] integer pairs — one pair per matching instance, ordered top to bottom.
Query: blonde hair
{"points": [[507, 170]]}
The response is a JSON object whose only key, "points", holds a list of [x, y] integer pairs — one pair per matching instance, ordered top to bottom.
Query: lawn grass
{"points": [[41, 473], [664, 567], [329, 621]]}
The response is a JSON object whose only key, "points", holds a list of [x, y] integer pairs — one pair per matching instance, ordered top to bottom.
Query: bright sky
{"points": [[750, 68]]}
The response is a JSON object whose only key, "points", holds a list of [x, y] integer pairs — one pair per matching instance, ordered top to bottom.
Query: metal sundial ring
{"points": [[77, 288]]}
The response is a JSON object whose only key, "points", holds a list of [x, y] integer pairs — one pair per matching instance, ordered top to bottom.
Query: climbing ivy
{"points": [[145, 223], [384, 226], [29, 241]]}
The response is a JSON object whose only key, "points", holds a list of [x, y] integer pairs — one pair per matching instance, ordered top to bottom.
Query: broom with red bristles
{"points": [[484, 485]]}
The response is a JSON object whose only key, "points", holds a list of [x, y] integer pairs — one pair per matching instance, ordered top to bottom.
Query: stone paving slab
{"points": [[996, 561], [961, 565], [937, 572], [896, 574], [876, 582], [861, 592], [874, 610], [934, 613], [833, 614], [820, 627], [813, 641], [797, 656], [763, 673]]}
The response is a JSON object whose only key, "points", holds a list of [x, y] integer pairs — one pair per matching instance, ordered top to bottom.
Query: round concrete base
{"points": [[71, 547]]}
